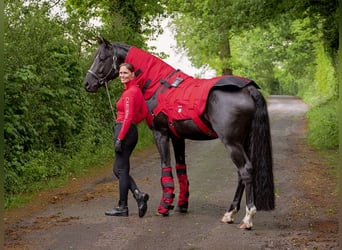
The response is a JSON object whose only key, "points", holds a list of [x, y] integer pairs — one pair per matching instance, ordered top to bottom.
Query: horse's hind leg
{"points": [[232, 124], [179, 151], [244, 166], [235, 206]]}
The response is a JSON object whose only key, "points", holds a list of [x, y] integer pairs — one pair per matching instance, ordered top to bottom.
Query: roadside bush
{"points": [[323, 126]]}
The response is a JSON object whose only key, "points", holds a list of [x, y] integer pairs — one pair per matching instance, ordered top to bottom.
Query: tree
{"points": [[126, 21], [204, 29], [288, 47], [45, 106], [52, 126]]}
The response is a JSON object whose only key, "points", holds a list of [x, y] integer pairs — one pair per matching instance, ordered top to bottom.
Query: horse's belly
{"points": [[188, 129]]}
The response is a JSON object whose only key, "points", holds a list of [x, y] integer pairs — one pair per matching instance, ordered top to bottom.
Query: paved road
{"points": [[75, 219]]}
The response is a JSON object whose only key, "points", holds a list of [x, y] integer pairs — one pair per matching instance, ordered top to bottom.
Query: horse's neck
{"points": [[121, 51], [147, 62], [152, 68]]}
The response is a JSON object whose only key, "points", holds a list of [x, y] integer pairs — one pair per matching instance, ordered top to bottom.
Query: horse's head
{"points": [[105, 66]]}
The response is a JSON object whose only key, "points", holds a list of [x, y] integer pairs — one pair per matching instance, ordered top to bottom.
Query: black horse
{"points": [[234, 111]]}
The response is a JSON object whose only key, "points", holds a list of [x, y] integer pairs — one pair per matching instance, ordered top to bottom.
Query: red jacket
{"points": [[131, 108]]}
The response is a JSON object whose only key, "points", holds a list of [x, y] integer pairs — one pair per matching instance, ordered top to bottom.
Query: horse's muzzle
{"points": [[91, 83], [89, 87]]}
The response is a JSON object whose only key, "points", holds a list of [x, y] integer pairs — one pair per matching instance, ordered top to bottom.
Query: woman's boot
{"points": [[141, 199], [120, 210]]}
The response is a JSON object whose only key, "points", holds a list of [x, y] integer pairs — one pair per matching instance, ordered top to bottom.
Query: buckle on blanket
{"points": [[176, 82], [165, 83]]}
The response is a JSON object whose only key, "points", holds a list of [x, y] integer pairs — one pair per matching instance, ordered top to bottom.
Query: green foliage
{"points": [[126, 21], [198, 26], [204, 29], [287, 47], [246, 59], [295, 70], [36, 80], [324, 87], [322, 95], [323, 126], [53, 128], [145, 136]]}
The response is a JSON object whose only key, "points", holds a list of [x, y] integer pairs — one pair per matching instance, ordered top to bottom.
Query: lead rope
{"points": [[110, 102]]}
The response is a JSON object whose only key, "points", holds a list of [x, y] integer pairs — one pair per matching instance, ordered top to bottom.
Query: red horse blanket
{"points": [[180, 96]]}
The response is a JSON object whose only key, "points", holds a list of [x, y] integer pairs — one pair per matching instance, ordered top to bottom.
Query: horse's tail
{"points": [[259, 149]]}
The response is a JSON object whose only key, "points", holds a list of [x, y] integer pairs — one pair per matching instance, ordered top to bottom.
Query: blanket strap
{"points": [[137, 72], [172, 73], [147, 83], [167, 84], [202, 126], [172, 128]]}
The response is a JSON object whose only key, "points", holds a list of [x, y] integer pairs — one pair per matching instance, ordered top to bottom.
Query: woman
{"points": [[132, 109]]}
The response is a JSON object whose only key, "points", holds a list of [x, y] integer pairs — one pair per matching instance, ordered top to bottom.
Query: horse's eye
{"points": [[102, 57]]}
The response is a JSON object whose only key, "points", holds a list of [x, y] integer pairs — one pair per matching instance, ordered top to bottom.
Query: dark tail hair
{"points": [[259, 149]]}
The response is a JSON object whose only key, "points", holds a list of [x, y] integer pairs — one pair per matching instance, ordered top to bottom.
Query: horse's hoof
{"points": [[182, 209], [164, 211], [163, 214], [228, 216], [227, 219], [245, 226]]}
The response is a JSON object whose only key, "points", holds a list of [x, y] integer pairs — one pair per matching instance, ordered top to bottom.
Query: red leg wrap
{"points": [[167, 184], [183, 186]]}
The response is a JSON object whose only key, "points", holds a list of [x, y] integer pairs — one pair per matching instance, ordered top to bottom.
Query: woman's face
{"points": [[125, 74]]}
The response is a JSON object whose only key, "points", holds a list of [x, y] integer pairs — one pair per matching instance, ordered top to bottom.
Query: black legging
{"points": [[121, 165]]}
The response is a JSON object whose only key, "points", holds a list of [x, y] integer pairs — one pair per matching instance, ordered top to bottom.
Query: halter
{"points": [[104, 81]]}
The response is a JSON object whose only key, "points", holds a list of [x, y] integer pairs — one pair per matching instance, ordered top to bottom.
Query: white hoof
{"points": [[228, 216], [247, 222], [246, 226]]}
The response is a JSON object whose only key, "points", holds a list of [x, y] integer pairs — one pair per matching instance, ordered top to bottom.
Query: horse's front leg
{"points": [[179, 151], [166, 180]]}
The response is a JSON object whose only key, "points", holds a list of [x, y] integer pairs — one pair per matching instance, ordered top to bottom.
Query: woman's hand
{"points": [[117, 146]]}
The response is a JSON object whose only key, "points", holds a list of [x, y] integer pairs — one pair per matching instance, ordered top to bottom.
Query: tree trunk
{"points": [[225, 56]]}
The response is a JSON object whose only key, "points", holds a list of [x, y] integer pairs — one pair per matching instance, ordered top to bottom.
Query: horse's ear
{"points": [[99, 40], [102, 40], [108, 43]]}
